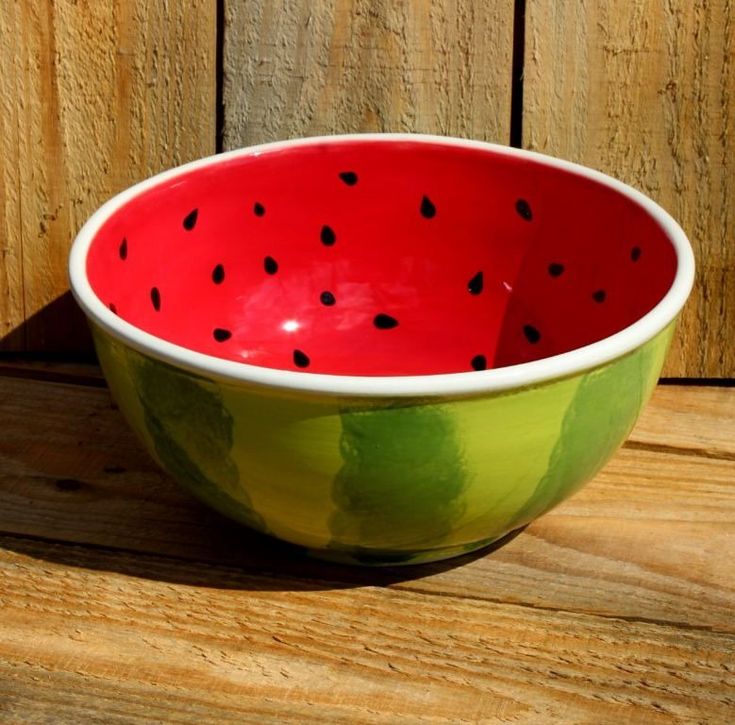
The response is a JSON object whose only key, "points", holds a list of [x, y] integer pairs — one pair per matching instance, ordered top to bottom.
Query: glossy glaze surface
{"points": [[365, 258], [385, 480]]}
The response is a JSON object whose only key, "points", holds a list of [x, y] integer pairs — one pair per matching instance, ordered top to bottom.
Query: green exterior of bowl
{"points": [[381, 480]]}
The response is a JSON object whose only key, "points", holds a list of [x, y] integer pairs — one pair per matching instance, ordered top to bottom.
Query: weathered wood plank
{"points": [[298, 68], [644, 91], [93, 97], [51, 369], [696, 419], [650, 538], [267, 647]]}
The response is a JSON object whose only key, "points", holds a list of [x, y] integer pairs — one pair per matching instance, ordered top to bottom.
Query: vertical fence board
{"points": [[299, 68], [646, 91], [94, 95]]}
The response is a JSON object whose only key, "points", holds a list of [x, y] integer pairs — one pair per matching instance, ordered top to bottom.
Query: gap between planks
{"points": [[651, 532], [380, 649]]}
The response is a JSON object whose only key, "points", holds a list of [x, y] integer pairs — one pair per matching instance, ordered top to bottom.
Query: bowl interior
{"points": [[365, 257]]}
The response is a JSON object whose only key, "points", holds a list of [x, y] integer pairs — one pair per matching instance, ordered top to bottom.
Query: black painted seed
{"points": [[349, 177], [258, 209], [524, 209], [428, 210], [190, 220], [328, 236], [123, 249], [635, 253], [270, 265], [556, 269], [218, 274], [475, 284], [599, 295], [155, 298], [327, 298], [113, 308], [385, 322], [531, 333], [220, 334], [300, 359], [479, 362]]}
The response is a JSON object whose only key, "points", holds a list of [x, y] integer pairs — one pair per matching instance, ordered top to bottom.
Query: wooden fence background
{"points": [[97, 94]]}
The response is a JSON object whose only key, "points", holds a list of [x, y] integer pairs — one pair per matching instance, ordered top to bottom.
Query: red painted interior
{"points": [[387, 258]]}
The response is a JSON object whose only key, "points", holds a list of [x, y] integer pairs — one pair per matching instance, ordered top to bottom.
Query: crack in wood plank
{"points": [[638, 445]]}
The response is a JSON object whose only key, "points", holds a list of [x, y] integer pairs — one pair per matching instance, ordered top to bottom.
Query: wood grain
{"points": [[299, 68], [646, 91], [93, 97], [650, 539], [269, 649]]}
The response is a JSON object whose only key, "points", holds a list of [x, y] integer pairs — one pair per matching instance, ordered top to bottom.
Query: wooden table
{"points": [[124, 600]]}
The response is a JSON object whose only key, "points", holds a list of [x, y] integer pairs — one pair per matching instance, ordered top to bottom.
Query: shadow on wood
{"points": [[58, 329], [77, 488], [256, 563]]}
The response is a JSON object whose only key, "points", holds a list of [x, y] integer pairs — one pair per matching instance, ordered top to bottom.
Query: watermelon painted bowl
{"points": [[383, 348]]}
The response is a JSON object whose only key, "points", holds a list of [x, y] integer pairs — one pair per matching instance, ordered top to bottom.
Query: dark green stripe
{"points": [[400, 485]]}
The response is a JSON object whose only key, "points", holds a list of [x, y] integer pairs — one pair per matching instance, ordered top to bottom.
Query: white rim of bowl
{"points": [[439, 385]]}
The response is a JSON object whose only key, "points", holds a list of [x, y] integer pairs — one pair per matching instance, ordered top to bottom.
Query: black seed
{"points": [[349, 177], [258, 209], [524, 209], [428, 210], [190, 220], [328, 236], [123, 249], [635, 253], [270, 265], [556, 269], [218, 274], [475, 284], [599, 295], [156, 298], [327, 298], [113, 308], [385, 322], [531, 333], [220, 334], [300, 359], [479, 362]]}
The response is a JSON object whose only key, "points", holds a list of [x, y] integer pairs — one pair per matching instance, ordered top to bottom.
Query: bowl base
{"points": [[376, 557]]}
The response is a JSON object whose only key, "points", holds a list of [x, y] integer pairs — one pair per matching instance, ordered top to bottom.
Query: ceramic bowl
{"points": [[382, 348]]}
